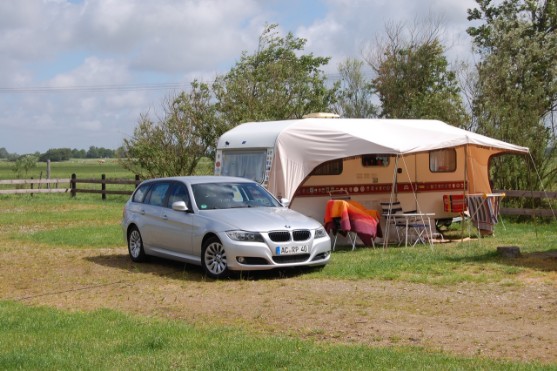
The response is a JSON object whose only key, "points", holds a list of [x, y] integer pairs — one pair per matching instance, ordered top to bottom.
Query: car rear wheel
{"points": [[135, 245], [213, 259]]}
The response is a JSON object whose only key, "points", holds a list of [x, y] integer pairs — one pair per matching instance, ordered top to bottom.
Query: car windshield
{"points": [[232, 195]]}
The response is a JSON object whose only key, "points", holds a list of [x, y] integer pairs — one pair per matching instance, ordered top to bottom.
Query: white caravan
{"points": [[416, 162]]}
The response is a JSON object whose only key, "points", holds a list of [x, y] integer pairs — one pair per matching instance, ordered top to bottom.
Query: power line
{"points": [[113, 87], [91, 88]]}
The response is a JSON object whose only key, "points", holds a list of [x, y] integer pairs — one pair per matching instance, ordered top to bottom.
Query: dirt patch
{"points": [[491, 320]]}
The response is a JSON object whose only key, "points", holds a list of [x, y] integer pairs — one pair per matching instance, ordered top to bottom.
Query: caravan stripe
{"points": [[379, 188]]}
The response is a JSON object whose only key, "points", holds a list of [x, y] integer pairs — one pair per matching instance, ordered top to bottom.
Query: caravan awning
{"points": [[302, 145]]}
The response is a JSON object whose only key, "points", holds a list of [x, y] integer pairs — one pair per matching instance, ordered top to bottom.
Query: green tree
{"points": [[413, 79], [276, 82], [517, 84], [355, 94], [176, 143], [93, 152], [99, 152], [4, 153], [78, 153], [56, 154], [23, 164]]}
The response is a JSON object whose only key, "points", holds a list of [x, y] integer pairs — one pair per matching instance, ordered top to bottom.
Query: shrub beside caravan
{"points": [[416, 162]]}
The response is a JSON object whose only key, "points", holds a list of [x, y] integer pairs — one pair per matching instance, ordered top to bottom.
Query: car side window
{"points": [[179, 193], [158, 194], [139, 195]]}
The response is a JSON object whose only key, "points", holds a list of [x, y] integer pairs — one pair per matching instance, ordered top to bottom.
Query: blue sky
{"points": [[79, 73]]}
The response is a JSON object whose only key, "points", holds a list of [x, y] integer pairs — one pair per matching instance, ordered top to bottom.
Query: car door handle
{"points": [[142, 211], [165, 217]]}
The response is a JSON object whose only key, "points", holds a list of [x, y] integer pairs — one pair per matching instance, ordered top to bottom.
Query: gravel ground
{"points": [[517, 322]]}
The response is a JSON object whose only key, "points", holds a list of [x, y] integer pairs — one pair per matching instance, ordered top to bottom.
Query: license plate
{"points": [[290, 250]]}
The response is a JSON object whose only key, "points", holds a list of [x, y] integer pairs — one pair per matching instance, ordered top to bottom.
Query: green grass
{"points": [[84, 168], [58, 220], [86, 221], [450, 263], [39, 338], [42, 338]]}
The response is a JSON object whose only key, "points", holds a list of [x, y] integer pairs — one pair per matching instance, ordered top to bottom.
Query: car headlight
{"points": [[320, 233], [245, 236]]}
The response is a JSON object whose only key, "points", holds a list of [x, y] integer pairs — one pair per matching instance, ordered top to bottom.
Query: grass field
{"points": [[84, 168], [58, 220], [42, 337], [47, 338]]}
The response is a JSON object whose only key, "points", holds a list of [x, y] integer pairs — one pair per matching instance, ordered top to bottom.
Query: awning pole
{"points": [[464, 191], [391, 200]]}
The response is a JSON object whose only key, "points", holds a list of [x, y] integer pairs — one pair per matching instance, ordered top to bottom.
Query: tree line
{"points": [[509, 94], [62, 154], [23, 163]]}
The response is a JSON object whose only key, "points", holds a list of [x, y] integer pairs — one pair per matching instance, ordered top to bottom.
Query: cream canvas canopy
{"points": [[301, 145]]}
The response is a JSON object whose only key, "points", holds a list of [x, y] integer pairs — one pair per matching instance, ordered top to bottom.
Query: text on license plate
{"points": [[286, 250]]}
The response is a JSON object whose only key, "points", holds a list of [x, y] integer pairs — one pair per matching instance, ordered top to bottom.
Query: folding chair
{"points": [[390, 210], [360, 219], [420, 228], [337, 229]]}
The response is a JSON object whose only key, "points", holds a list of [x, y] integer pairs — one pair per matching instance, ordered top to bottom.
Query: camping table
{"points": [[408, 217]]}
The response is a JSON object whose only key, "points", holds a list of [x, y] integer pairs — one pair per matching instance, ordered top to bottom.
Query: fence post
{"points": [[48, 172], [137, 181], [73, 185], [103, 186], [32, 187]]}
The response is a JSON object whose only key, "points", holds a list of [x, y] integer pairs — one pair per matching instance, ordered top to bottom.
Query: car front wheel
{"points": [[135, 245], [213, 259]]}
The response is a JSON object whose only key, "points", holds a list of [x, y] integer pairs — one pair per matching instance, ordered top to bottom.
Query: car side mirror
{"points": [[285, 202], [179, 206]]}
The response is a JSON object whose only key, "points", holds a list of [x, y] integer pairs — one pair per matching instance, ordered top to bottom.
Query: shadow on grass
{"points": [[545, 261], [188, 272]]}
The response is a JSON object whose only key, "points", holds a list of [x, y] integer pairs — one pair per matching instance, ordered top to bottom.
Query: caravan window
{"points": [[375, 160], [442, 161], [245, 164], [333, 167]]}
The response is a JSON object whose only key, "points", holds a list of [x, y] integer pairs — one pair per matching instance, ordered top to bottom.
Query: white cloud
{"points": [[352, 25], [167, 36], [90, 49], [93, 72], [89, 125]]}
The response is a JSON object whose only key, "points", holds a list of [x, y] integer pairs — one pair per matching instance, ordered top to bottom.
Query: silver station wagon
{"points": [[221, 223]]}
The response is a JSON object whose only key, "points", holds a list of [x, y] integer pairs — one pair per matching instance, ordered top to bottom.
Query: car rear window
{"points": [[140, 193], [158, 194]]}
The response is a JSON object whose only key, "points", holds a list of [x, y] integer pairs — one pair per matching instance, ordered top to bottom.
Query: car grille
{"points": [[301, 235], [279, 236], [285, 236], [284, 259]]}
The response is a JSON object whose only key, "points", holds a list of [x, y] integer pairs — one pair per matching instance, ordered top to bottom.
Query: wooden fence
{"points": [[74, 181], [50, 186], [72, 186], [540, 195]]}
